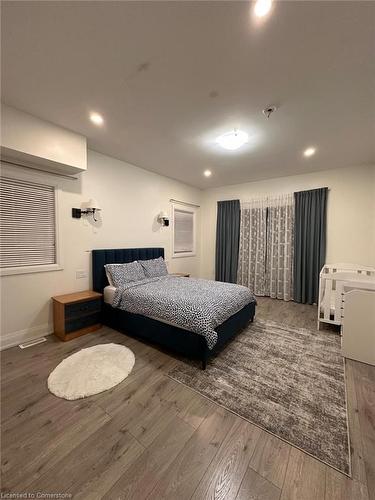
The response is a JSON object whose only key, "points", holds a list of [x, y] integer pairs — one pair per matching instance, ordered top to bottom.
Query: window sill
{"points": [[185, 254], [8, 271]]}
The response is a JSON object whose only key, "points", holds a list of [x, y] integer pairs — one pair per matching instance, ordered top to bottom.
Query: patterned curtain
{"points": [[253, 239], [266, 247], [280, 248]]}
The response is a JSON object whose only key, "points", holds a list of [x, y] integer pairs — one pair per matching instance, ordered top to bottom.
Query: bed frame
{"points": [[176, 339]]}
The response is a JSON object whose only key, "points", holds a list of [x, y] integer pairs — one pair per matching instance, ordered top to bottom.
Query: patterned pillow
{"points": [[154, 267], [124, 273], [108, 274]]}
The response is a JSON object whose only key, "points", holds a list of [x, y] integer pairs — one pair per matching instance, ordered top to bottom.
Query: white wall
{"points": [[27, 139], [130, 199], [350, 211]]}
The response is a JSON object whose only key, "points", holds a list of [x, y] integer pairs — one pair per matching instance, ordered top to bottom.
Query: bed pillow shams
{"points": [[154, 268], [108, 274], [118, 274]]}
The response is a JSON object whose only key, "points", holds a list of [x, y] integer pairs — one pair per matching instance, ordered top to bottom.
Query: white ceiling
{"points": [[169, 77]]}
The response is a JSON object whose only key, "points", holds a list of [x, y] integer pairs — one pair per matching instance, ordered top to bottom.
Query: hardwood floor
{"points": [[151, 437]]}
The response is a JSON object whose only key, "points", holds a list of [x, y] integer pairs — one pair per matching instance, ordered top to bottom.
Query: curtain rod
{"points": [[19, 165], [272, 196], [184, 203]]}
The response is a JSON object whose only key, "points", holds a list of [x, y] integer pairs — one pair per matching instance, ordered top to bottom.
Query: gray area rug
{"points": [[289, 381]]}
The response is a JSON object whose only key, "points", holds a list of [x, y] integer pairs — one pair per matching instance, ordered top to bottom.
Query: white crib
{"points": [[333, 278]]}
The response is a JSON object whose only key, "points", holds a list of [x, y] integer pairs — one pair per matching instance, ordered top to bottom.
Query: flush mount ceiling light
{"points": [[262, 7], [96, 118], [233, 140], [309, 152], [207, 173]]}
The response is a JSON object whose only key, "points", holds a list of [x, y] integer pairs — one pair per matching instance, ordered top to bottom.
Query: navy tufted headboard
{"points": [[118, 256]]}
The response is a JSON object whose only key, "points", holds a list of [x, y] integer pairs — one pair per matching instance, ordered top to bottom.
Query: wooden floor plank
{"points": [[136, 383], [365, 391], [189, 405], [156, 412], [29, 416], [36, 432], [356, 445], [103, 448], [179, 449], [369, 455], [270, 459], [42, 460], [142, 476], [182, 477], [223, 477], [304, 479], [94, 486], [256, 487], [340, 487]]}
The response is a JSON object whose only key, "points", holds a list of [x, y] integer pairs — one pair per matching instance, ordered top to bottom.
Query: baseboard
{"points": [[15, 338]]}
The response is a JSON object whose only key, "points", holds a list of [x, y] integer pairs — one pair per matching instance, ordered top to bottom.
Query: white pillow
{"points": [[108, 274]]}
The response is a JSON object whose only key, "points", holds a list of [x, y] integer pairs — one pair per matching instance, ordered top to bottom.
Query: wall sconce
{"points": [[90, 207], [163, 219]]}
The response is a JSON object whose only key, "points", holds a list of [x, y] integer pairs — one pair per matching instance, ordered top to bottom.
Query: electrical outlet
{"points": [[81, 274]]}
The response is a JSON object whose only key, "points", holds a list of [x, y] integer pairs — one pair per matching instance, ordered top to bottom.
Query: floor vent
{"points": [[25, 345]]}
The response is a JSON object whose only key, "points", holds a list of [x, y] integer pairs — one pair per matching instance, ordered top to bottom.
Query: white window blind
{"points": [[27, 224], [183, 231]]}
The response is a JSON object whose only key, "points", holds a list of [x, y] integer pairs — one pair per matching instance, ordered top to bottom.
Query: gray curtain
{"points": [[227, 240], [309, 243]]}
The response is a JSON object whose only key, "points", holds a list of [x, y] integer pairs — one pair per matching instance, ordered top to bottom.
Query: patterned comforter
{"points": [[196, 305]]}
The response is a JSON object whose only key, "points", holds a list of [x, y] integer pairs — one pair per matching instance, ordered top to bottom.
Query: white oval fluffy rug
{"points": [[90, 371]]}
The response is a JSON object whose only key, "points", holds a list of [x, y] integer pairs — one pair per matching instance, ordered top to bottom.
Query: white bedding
{"points": [[109, 292]]}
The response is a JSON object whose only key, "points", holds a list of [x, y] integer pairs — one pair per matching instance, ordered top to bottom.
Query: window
{"points": [[27, 227], [183, 231]]}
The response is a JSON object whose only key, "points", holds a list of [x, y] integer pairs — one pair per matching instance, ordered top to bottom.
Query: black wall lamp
{"points": [[91, 207], [163, 219]]}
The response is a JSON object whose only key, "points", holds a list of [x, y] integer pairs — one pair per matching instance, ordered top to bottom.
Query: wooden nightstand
{"points": [[181, 275], [76, 314]]}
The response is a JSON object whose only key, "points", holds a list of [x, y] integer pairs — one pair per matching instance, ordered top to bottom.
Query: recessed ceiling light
{"points": [[262, 7], [96, 118], [233, 140], [309, 152], [207, 173]]}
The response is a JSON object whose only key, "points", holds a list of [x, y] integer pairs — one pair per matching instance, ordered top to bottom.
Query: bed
{"points": [[166, 335]]}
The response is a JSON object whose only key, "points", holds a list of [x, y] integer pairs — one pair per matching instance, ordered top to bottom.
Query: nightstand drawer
{"points": [[82, 309], [75, 314], [71, 325]]}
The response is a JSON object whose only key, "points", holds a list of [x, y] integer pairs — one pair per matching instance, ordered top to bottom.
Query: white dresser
{"points": [[358, 330]]}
